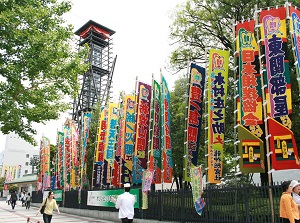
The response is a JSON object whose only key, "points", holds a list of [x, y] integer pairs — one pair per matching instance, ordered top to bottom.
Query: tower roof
{"points": [[83, 30]]}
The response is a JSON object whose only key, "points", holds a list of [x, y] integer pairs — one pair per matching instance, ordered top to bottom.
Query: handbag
{"points": [[43, 207]]}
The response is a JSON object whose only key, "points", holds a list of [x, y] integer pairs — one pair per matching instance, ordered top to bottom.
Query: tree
{"points": [[200, 25], [38, 65]]}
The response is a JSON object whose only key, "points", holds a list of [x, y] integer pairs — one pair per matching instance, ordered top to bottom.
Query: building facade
{"points": [[15, 158]]}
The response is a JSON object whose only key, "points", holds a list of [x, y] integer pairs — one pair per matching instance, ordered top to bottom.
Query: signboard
{"points": [[57, 194], [103, 197]]}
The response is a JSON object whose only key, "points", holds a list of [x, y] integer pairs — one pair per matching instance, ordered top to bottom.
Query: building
{"points": [[15, 158]]}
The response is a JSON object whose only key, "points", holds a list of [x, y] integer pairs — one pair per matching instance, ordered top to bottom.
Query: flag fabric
{"points": [[295, 31], [217, 91], [278, 93], [250, 95], [249, 100], [194, 118], [86, 122], [142, 131], [166, 132], [129, 140], [110, 141], [282, 146], [100, 148], [251, 150], [67, 153], [61, 157], [155, 163], [75, 181], [196, 183]]}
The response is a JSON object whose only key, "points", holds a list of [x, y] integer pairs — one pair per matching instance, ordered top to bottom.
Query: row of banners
{"points": [[263, 86], [134, 136], [133, 142]]}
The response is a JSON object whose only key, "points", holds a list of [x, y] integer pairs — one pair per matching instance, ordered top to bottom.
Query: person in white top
{"points": [[295, 192], [125, 204]]}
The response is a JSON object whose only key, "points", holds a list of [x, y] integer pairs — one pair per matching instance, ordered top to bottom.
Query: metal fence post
{"points": [[245, 189], [182, 202]]}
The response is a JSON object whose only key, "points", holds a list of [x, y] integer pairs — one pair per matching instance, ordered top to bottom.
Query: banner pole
{"points": [[265, 118]]}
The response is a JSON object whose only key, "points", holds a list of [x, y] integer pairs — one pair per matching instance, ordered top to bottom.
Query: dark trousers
{"points": [[13, 204], [27, 204], [47, 218], [126, 220], [285, 220]]}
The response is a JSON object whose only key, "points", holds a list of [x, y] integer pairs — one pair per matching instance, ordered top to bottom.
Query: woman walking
{"points": [[50, 205], [288, 208]]}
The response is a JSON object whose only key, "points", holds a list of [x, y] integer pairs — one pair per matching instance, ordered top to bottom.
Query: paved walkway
{"points": [[21, 214]]}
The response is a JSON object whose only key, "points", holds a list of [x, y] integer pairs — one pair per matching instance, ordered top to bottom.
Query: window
{"points": [[27, 155], [27, 163], [26, 171]]}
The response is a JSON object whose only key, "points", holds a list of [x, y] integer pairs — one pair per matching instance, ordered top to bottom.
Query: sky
{"points": [[141, 43]]}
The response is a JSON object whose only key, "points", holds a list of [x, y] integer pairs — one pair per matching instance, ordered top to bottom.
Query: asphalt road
{"points": [[21, 214]]}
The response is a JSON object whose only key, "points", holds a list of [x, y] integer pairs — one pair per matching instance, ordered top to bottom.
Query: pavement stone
{"points": [[21, 214]]}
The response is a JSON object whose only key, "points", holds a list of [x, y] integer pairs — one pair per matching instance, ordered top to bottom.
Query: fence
{"points": [[244, 203]]}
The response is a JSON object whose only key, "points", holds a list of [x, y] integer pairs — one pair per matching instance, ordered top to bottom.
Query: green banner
{"points": [[57, 194], [103, 197]]}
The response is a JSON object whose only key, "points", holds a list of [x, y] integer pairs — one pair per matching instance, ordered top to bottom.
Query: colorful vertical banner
{"points": [[273, 31], [295, 31], [217, 92], [250, 95], [249, 100], [194, 118], [86, 122], [142, 131], [166, 132], [111, 133], [129, 140], [110, 142], [100, 147], [283, 147], [251, 150], [45, 151], [156, 154], [61, 157], [67, 157], [118, 162], [75, 181], [146, 185], [197, 189]]}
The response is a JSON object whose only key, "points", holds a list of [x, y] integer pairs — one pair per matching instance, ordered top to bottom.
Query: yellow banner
{"points": [[217, 92], [110, 141]]}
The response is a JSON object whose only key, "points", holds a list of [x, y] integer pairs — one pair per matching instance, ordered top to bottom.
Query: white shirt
{"points": [[296, 198], [125, 204]]}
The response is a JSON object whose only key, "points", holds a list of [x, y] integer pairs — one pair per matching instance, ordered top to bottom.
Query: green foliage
{"points": [[201, 25], [38, 66], [178, 113], [92, 142], [2, 181], [13, 188]]}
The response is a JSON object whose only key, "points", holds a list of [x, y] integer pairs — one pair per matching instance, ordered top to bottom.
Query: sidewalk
{"points": [[21, 214], [68, 215]]}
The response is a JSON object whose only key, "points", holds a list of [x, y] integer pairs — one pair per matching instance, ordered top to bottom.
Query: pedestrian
{"points": [[295, 193], [22, 198], [8, 199], [13, 199], [28, 199], [125, 204], [50, 205], [288, 208]]}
